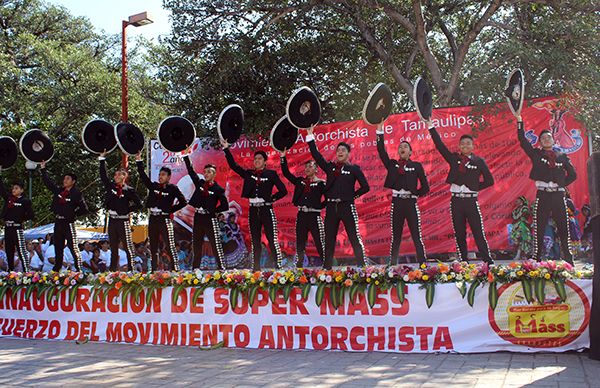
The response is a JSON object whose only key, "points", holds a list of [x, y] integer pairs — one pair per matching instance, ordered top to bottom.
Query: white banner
{"points": [[450, 325]]}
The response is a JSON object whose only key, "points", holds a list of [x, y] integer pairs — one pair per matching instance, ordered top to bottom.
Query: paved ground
{"points": [[36, 362]]}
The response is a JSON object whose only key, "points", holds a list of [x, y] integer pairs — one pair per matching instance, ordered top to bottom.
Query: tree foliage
{"points": [[256, 52], [56, 74]]}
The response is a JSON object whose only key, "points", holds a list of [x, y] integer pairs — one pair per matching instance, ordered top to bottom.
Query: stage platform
{"points": [[457, 307]]}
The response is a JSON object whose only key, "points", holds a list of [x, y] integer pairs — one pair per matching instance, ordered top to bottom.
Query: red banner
{"points": [[497, 143]]}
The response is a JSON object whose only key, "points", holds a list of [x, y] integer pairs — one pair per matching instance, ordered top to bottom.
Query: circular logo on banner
{"points": [[549, 325]]}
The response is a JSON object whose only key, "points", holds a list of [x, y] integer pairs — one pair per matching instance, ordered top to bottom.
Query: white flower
{"points": [[390, 274], [373, 275], [322, 277], [459, 277], [405, 278], [444, 278], [328, 279], [282, 280], [313, 280], [73, 282]]}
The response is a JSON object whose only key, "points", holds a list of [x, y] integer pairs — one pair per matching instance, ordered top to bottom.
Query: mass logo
{"points": [[565, 140], [552, 324]]}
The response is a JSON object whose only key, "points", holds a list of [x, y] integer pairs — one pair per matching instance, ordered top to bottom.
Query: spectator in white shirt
{"points": [[105, 253], [50, 254], [86, 256], [35, 262]]}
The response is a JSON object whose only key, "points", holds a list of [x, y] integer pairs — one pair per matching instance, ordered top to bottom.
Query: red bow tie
{"points": [[551, 155], [463, 163], [401, 164], [338, 168], [307, 183], [205, 188], [63, 196], [11, 201]]}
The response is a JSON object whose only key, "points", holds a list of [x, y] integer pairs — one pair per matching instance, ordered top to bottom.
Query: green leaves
{"points": [[559, 285], [462, 288], [540, 289], [400, 290], [527, 290], [429, 293], [471, 293], [320, 294], [371, 294], [252, 295], [493, 295]]}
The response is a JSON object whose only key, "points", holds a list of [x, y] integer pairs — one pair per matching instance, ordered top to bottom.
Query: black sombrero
{"points": [[515, 91], [422, 99], [378, 106], [303, 108], [231, 123], [176, 133], [283, 135], [98, 136], [129, 138], [36, 146], [8, 152]]}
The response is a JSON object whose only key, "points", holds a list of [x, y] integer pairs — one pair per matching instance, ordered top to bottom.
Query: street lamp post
{"points": [[137, 20]]}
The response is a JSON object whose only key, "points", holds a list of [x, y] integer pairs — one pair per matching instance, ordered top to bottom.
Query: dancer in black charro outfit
{"points": [[552, 172], [468, 175], [407, 180], [258, 188], [341, 193], [308, 197], [208, 199], [121, 200], [67, 205], [161, 205], [16, 210]]}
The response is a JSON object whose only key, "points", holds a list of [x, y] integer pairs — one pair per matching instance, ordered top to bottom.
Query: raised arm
{"points": [[439, 144], [525, 144], [383, 155], [321, 162], [232, 163], [570, 170], [191, 171], [286, 171], [142, 173], [103, 175], [488, 178], [363, 184], [50, 185], [424, 189], [281, 190], [181, 201], [223, 202]]}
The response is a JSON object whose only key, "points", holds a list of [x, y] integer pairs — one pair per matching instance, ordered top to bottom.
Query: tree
{"points": [[258, 51], [56, 74]]}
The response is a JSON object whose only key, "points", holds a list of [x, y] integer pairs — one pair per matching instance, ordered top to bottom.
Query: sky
{"points": [[107, 15]]}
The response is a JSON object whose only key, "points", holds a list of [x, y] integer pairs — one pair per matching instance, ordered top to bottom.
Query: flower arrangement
{"points": [[338, 282]]}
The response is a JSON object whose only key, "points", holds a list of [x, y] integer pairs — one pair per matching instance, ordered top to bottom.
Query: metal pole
{"points": [[124, 90], [593, 169], [30, 184]]}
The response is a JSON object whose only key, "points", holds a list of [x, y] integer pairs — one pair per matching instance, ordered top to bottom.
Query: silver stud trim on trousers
{"points": [[217, 236], [360, 241], [171, 243], [22, 250], [76, 252]]}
